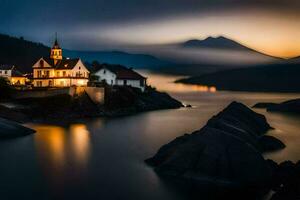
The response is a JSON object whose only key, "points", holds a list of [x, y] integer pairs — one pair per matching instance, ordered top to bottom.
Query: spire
{"points": [[56, 45], [56, 51]]}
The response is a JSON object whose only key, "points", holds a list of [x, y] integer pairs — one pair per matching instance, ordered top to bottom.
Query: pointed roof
{"points": [[56, 45], [62, 64], [122, 72]]}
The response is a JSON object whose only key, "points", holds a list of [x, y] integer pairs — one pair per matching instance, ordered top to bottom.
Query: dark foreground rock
{"points": [[292, 106], [11, 129], [227, 151], [286, 181]]}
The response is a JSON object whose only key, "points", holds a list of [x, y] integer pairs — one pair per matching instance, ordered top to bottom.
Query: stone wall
{"points": [[95, 93]]}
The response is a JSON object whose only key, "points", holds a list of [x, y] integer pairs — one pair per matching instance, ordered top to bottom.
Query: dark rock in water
{"points": [[263, 105], [189, 106], [292, 106], [10, 129], [270, 143], [226, 151], [286, 181]]}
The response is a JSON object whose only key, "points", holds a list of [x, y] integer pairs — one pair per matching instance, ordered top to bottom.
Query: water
{"points": [[103, 158]]}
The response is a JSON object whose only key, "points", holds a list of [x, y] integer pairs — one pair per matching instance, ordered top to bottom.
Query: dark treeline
{"points": [[20, 52]]}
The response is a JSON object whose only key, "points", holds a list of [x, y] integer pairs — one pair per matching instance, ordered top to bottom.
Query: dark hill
{"points": [[21, 52], [24, 54], [269, 78]]}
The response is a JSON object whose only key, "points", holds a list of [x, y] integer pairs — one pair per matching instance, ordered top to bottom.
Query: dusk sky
{"points": [[270, 26]]}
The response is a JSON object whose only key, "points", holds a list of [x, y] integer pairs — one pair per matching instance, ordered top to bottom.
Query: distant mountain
{"points": [[216, 43], [24, 54], [118, 57], [266, 78]]}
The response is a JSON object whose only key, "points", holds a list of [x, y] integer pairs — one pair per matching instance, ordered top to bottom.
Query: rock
{"points": [[263, 105], [188, 106], [292, 106], [10, 129], [270, 143], [226, 151], [286, 181]]}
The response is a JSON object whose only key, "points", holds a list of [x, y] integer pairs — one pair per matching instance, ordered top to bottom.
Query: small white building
{"points": [[11, 73], [121, 76]]}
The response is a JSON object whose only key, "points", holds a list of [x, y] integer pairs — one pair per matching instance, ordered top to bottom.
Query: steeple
{"points": [[56, 51]]}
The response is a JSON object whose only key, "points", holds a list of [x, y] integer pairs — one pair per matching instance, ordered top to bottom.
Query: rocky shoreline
{"points": [[120, 101], [227, 152]]}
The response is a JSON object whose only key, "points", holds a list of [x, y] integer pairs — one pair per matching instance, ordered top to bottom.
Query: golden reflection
{"points": [[167, 83], [80, 142], [50, 143], [58, 146]]}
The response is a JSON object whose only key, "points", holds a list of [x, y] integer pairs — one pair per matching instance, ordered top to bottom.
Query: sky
{"points": [[269, 26]]}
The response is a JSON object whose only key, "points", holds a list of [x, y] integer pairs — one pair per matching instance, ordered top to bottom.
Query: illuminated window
{"points": [[64, 74]]}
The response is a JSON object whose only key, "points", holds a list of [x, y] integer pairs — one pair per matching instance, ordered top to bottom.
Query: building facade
{"points": [[57, 71], [11, 73], [121, 76]]}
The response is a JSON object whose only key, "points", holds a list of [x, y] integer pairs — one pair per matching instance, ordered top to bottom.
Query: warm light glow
{"points": [[166, 83], [50, 140], [80, 142]]}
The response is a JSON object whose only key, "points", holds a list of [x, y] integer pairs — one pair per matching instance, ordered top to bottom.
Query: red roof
{"points": [[124, 72]]}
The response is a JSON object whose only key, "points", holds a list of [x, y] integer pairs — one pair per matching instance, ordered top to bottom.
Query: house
{"points": [[57, 71], [14, 76], [121, 76]]}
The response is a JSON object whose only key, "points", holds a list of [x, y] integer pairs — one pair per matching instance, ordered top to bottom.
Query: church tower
{"points": [[56, 51]]}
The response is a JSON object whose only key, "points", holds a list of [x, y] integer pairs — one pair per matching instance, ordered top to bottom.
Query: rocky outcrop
{"points": [[127, 100], [263, 105], [292, 106], [10, 129], [226, 151], [286, 181]]}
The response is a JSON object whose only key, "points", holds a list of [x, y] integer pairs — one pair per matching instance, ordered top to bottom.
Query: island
{"points": [[281, 77], [291, 106], [227, 153]]}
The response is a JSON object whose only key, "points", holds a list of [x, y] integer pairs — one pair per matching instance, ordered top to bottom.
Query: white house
{"points": [[57, 71], [12, 74], [120, 75]]}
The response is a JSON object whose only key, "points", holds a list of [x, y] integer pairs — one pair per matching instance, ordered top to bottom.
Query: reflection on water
{"points": [[166, 83], [59, 146], [63, 153]]}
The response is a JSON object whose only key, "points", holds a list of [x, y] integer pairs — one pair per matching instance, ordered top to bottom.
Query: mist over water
{"points": [[103, 158]]}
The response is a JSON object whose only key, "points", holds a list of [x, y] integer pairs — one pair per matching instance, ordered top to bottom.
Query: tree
{"points": [[5, 88]]}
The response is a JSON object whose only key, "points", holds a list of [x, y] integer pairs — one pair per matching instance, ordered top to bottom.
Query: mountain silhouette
{"points": [[216, 43]]}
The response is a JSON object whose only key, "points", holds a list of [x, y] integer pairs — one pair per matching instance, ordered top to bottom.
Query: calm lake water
{"points": [[103, 158]]}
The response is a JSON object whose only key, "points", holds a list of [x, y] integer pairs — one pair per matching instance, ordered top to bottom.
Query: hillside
{"points": [[21, 52], [24, 54], [118, 57], [268, 78]]}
